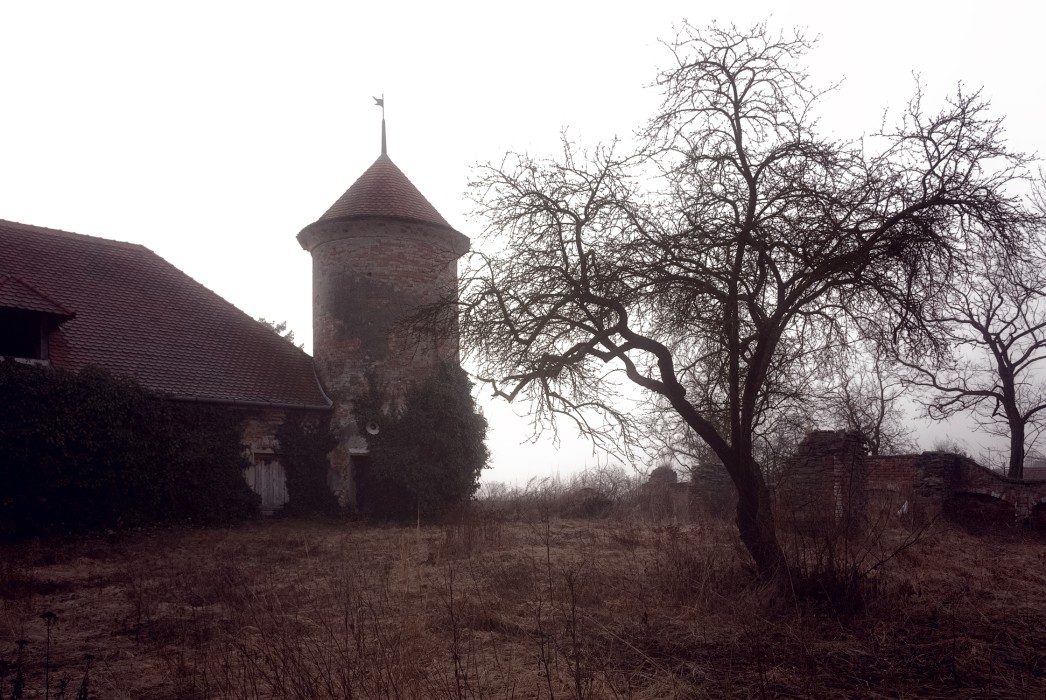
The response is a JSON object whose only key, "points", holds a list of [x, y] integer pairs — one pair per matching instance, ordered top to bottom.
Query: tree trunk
{"points": [[1016, 470], [755, 521]]}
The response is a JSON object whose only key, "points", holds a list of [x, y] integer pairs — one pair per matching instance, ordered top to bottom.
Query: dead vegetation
{"points": [[487, 608]]}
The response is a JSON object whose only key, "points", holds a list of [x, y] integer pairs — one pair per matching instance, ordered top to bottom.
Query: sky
{"points": [[212, 132]]}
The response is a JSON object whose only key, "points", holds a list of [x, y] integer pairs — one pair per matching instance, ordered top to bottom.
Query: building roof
{"points": [[383, 190], [16, 294], [139, 316]]}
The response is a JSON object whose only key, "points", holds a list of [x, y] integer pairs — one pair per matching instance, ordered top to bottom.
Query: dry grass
{"points": [[488, 609]]}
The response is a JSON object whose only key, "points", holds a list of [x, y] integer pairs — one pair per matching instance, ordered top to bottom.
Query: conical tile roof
{"points": [[383, 190]]}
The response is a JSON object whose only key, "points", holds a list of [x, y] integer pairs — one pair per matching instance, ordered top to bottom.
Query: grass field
{"points": [[486, 608]]}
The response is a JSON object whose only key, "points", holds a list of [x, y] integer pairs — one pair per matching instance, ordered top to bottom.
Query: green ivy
{"points": [[305, 439], [89, 450], [427, 456]]}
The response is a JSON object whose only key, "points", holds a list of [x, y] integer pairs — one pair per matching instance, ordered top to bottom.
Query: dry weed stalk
{"points": [[490, 608]]}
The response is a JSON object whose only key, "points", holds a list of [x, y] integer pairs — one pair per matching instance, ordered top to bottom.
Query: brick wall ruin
{"points": [[833, 474], [824, 482], [832, 482]]}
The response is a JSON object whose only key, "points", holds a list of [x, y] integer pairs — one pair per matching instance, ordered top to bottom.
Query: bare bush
{"points": [[596, 492], [616, 608]]}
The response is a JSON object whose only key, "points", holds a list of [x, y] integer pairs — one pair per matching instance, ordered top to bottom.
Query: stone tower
{"points": [[380, 252]]}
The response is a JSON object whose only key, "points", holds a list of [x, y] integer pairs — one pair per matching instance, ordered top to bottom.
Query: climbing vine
{"points": [[305, 439], [86, 451], [428, 452]]}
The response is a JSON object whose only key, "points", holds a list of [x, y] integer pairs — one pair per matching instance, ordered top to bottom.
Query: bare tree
{"points": [[709, 264], [992, 341], [866, 397], [787, 412]]}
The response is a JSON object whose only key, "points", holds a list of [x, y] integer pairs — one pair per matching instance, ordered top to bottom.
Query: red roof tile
{"points": [[383, 190], [16, 294], [139, 316]]}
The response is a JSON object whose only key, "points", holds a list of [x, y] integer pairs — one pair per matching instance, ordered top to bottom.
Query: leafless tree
{"points": [[710, 263], [992, 341], [866, 396], [786, 414]]}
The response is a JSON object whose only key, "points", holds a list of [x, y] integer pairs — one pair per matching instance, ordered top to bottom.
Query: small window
{"points": [[21, 334]]}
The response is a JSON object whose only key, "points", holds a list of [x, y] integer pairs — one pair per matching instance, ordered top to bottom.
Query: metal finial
{"points": [[380, 101]]}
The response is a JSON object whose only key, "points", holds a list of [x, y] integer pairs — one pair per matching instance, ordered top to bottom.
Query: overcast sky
{"points": [[212, 132]]}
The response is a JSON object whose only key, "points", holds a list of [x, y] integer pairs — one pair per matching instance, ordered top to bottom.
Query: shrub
{"points": [[304, 442], [90, 450], [428, 453]]}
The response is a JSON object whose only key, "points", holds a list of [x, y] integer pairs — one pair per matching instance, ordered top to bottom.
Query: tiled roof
{"points": [[383, 190], [16, 294], [139, 316]]}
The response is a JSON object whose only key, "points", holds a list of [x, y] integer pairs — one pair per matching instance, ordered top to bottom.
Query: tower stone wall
{"points": [[379, 255], [366, 284]]}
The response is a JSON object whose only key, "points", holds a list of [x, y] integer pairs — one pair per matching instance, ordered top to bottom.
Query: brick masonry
{"points": [[370, 275], [833, 482], [824, 483], [920, 485], [665, 499]]}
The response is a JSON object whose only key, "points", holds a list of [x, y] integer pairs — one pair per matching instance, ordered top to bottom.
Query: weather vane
{"points": [[380, 101]]}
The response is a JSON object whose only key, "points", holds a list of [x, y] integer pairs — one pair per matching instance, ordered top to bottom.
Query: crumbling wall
{"points": [[890, 483], [823, 484], [922, 487], [713, 492], [1024, 495], [655, 501], [681, 502]]}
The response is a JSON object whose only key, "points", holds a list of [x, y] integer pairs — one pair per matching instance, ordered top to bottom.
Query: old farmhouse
{"points": [[381, 250]]}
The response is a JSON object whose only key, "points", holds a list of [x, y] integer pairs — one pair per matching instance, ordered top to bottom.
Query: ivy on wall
{"points": [[305, 439], [85, 451], [427, 454]]}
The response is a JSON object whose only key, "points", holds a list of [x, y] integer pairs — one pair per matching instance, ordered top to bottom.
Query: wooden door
{"points": [[268, 479]]}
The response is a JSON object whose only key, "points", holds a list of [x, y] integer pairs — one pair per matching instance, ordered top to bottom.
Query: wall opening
{"points": [[980, 512]]}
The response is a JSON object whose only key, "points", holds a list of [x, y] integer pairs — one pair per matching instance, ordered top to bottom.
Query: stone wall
{"points": [[888, 472], [890, 483], [924, 486], [1024, 495], [655, 499], [681, 502]]}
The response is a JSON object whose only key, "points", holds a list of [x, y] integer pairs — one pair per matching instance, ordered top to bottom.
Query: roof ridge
{"points": [[62, 233]]}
